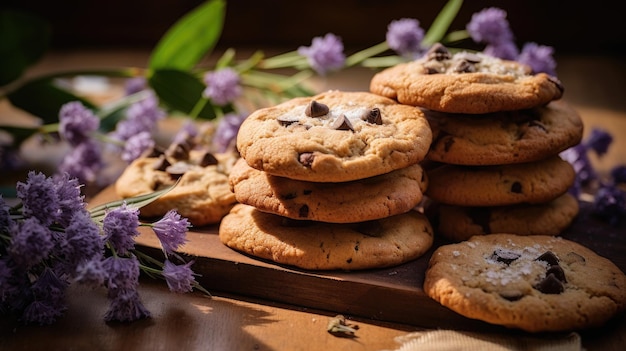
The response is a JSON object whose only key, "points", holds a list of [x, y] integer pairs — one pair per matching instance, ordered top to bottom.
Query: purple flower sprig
{"points": [[608, 199], [50, 240]]}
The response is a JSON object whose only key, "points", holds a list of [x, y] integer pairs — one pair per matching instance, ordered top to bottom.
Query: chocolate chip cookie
{"points": [[466, 82], [334, 137], [504, 137], [500, 185], [202, 194], [355, 201], [457, 223], [327, 246], [533, 283]]}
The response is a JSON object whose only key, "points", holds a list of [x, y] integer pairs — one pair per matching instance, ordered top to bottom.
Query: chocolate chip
{"points": [[438, 52], [464, 67], [316, 109], [373, 116], [286, 120], [342, 123], [156, 151], [179, 151], [306, 158], [208, 159], [161, 164], [516, 187], [306, 192], [303, 212], [504, 256], [548, 257], [558, 273], [550, 285], [511, 295]]}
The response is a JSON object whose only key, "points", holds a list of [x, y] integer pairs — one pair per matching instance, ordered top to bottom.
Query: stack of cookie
{"points": [[497, 134], [330, 182]]}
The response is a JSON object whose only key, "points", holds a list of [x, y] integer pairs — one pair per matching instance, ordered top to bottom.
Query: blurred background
{"points": [[581, 27]]}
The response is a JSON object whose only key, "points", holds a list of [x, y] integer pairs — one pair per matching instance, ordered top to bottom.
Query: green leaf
{"points": [[442, 22], [192, 37], [24, 38], [181, 91], [42, 98], [97, 213]]}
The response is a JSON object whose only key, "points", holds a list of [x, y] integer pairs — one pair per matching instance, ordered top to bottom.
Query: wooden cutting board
{"points": [[391, 294]]}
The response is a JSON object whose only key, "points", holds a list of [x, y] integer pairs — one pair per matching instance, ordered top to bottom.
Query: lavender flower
{"points": [[490, 26], [405, 37], [505, 50], [325, 53], [539, 58], [134, 85], [223, 86], [141, 116], [76, 122], [226, 132], [599, 141], [136, 145], [578, 158], [83, 162], [618, 173], [39, 198], [71, 200], [610, 204], [5, 216], [120, 228], [171, 231], [82, 240], [31, 242], [91, 273], [122, 273], [179, 278], [48, 287], [126, 306], [42, 313]]}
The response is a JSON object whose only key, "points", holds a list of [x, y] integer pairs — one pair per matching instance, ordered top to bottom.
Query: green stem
{"points": [[364, 54], [289, 59], [195, 112]]}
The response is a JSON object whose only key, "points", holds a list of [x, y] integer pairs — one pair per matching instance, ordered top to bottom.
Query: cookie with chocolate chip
{"points": [[464, 82], [334, 137], [504, 137], [500, 185], [202, 194], [355, 201], [458, 223], [316, 245], [534, 283]]}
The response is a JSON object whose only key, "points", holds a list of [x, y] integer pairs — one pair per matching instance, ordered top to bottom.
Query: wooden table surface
{"points": [[594, 85]]}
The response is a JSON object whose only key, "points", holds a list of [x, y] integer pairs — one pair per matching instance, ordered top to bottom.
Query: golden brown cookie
{"points": [[465, 83], [334, 137], [504, 137], [531, 182], [202, 194], [356, 201], [458, 223], [327, 246], [533, 283]]}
